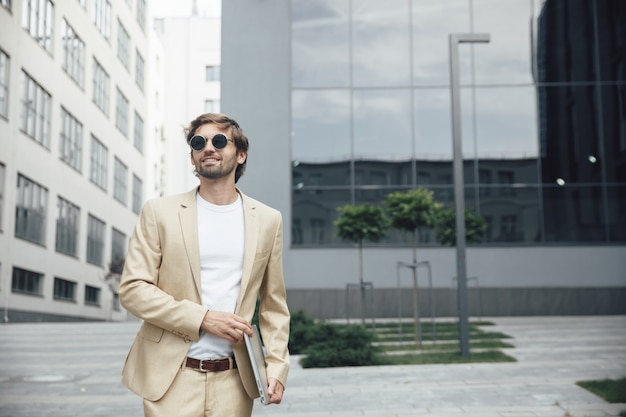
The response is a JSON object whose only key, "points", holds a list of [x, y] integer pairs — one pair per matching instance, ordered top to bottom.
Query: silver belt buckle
{"points": [[200, 366]]}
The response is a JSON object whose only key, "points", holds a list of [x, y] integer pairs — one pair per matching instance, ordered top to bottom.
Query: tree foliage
{"points": [[412, 210], [362, 222], [445, 227]]}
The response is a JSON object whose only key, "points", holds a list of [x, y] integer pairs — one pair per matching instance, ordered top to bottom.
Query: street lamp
{"points": [[459, 196]]}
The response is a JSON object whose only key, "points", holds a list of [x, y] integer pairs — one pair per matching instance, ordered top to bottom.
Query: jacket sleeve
{"points": [[140, 287], [274, 315]]}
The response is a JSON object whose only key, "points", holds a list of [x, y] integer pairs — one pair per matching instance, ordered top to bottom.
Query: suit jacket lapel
{"points": [[188, 217], [251, 237]]}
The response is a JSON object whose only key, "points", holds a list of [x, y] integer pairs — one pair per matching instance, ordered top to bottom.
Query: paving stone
{"points": [[73, 370]]}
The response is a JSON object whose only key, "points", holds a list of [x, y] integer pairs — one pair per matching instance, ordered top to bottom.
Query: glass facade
{"points": [[543, 114]]}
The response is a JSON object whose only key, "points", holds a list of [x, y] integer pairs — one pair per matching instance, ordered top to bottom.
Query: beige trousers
{"points": [[202, 394]]}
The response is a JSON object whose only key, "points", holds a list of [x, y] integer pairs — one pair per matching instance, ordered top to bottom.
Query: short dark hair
{"points": [[228, 124]]}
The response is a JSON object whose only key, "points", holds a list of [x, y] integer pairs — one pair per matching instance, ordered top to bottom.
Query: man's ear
{"points": [[241, 157]]}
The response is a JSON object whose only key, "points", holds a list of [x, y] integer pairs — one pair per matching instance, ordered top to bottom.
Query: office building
{"points": [[191, 74], [346, 101], [74, 128]]}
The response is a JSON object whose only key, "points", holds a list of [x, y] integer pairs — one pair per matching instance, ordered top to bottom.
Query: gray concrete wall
{"points": [[256, 91], [514, 266], [486, 302]]}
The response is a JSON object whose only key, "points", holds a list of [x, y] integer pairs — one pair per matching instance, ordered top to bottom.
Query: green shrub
{"points": [[301, 332], [327, 345], [335, 345]]}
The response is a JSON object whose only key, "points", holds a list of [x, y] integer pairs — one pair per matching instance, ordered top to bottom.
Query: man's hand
{"points": [[228, 326], [275, 390]]}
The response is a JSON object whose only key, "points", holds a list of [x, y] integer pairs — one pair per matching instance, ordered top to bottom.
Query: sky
{"points": [[182, 8]]}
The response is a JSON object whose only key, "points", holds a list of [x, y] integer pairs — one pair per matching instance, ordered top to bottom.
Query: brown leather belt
{"points": [[214, 365]]}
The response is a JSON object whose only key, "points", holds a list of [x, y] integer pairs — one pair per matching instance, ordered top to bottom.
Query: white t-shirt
{"points": [[221, 244]]}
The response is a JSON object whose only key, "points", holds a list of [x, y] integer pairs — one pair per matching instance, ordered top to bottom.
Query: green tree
{"points": [[412, 211], [359, 223], [445, 227]]}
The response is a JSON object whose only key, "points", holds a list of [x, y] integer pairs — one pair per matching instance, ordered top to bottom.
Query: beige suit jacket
{"points": [[161, 285]]}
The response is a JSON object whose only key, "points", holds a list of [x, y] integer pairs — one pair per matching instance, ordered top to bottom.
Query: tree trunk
{"points": [[361, 283], [416, 318]]}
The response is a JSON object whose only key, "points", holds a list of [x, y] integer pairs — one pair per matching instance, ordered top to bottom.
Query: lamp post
{"points": [[459, 195]]}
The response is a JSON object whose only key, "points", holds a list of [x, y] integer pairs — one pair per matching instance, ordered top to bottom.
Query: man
{"points": [[196, 265]]}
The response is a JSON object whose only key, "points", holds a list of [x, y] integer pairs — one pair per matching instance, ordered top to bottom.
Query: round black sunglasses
{"points": [[198, 142]]}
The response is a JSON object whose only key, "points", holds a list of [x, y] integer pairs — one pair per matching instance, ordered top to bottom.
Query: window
{"points": [[141, 13], [102, 17], [37, 20], [123, 42], [73, 53], [139, 70], [212, 73], [4, 84], [100, 87], [36, 104], [212, 106], [621, 106], [121, 113], [138, 133], [71, 140], [99, 166], [2, 177], [506, 178], [485, 180], [120, 182], [137, 194], [30, 211], [67, 227], [509, 228], [296, 232], [318, 233], [95, 241], [118, 250], [26, 282], [64, 290], [92, 295], [116, 302]]}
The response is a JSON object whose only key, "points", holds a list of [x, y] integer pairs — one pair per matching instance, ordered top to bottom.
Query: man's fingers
{"points": [[228, 326], [275, 390]]}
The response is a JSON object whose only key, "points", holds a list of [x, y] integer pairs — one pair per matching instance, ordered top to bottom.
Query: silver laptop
{"points": [[257, 359]]}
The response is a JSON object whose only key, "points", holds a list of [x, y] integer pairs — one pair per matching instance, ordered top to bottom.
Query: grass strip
{"points": [[495, 344], [447, 357], [612, 390]]}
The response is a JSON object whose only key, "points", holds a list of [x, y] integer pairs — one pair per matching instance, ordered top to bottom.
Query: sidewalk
{"points": [[73, 370]]}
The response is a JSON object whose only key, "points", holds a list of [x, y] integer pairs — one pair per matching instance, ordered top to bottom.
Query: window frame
{"points": [[102, 17], [39, 24], [73, 53], [5, 66], [101, 87], [122, 106], [36, 111], [71, 140], [99, 157], [120, 181], [31, 208], [67, 227], [96, 235], [22, 279], [64, 290]]}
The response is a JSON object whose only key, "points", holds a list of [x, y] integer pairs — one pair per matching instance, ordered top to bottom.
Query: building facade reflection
{"points": [[581, 57], [544, 116]]}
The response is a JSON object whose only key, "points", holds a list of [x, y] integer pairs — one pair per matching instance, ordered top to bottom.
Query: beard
{"points": [[216, 171]]}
